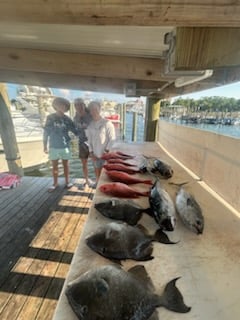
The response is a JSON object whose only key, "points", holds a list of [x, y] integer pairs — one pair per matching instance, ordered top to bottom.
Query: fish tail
{"points": [[148, 182], [179, 184], [145, 194], [148, 211], [162, 237], [172, 298]]}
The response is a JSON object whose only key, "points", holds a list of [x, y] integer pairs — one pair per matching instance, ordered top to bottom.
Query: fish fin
{"points": [[147, 182], [179, 184], [145, 194], [148, 211], [133, 220], [142, 228], [162, 237], [146, 258], [116, 261], [140, 273], [172, 298]]}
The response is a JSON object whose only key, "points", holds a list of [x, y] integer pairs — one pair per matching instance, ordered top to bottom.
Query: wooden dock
{"points": [[39, 232]]}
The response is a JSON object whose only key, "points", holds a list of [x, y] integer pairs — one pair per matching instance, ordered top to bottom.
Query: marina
{"points": [[156, 52]]}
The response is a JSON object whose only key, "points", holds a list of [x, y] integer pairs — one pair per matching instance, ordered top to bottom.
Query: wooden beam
{"points": [[135, 12], [207, 48], [119, 67], [221, 77], [97, 84], [3, 92], [151, 118], [9, 140]]}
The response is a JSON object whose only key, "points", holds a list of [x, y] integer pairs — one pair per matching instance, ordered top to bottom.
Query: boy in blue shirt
{"points": [[56, 134]]}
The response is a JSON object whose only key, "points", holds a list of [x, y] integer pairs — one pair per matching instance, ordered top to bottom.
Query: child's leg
{"points": [[85, 169], [66, 171], [55, 172], [97, 173]]}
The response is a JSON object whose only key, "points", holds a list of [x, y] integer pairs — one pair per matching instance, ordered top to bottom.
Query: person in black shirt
{"points": [[81, 120], [56, 134]]}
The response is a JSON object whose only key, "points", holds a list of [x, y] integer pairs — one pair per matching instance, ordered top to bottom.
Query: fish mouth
{"points": [[198, 229]]}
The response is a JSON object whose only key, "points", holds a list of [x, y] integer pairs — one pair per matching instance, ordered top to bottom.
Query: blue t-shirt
{"points": [[57, 130]]}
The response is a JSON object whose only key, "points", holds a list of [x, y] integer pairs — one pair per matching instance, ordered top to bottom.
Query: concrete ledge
{"points": [[212, 157]]}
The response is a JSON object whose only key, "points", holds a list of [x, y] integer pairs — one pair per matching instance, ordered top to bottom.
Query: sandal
{"points": [[69, 185], [93, 185], [82, 186], [52, 188]]}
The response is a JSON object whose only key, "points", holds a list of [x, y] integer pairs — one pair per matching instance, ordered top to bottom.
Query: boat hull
{"points": [[31, 152]]}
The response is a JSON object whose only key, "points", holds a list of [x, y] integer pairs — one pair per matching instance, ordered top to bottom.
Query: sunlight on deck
{"points": [[35, 281]]}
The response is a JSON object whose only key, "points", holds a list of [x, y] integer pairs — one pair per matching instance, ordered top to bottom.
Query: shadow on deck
{"points": [[39, 232]]}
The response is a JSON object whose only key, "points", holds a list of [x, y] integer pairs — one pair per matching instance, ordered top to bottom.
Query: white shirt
{"points": [[101, 135]]}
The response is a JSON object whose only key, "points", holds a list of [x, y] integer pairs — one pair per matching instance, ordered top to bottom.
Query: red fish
{"points": [[116, 155], [121, 161], [121, 167], [124, 177], [118, 189]]}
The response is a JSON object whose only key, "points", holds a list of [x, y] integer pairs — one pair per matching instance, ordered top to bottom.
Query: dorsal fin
{"points": [[140, 273]]}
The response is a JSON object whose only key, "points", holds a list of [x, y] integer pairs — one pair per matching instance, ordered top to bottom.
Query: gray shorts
{"points": [[98, 163]]}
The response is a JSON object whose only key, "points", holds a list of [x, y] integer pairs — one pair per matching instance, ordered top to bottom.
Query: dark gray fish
{"points": [[154, 165], [163, 168], [163, 209], [124, 210], [189, 211], [120, 241], [108, 292]]}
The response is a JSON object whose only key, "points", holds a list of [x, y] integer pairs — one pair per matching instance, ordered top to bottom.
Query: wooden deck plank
{"points": [[54, 223], [25, 225], [48, 270], [31, 285], [48, 306]]}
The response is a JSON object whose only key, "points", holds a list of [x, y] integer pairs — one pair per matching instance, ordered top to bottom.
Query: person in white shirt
{"points": [[101, 134]]}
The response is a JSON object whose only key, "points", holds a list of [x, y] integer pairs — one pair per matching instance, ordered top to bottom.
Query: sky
{"points": [[230, 91]]}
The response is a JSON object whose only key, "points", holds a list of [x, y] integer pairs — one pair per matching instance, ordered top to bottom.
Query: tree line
{"points": [[210, 104]]}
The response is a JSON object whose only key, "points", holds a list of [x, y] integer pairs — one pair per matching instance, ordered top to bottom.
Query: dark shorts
{"points": [[83, 151]]}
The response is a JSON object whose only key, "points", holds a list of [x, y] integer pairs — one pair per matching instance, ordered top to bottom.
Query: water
{"points": [[227, 130]]}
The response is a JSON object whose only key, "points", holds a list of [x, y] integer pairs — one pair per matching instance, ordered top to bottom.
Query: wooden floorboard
{"points": [[39, 232]]}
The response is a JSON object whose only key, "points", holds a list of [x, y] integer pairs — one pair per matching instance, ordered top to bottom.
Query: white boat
{"points": [[28, 122]]}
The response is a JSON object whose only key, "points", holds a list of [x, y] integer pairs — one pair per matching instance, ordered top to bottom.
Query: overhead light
{"points": [[19, 36], [185, 80]]}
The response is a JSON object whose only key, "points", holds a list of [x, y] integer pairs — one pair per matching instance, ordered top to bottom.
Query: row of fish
{"points": [[162, 208], [109, 292]]}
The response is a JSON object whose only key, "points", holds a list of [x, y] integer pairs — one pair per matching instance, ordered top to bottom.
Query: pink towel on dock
{"points": [[9, 180]]}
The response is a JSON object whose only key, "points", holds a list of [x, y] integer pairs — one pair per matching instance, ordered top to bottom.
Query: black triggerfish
{"points": [[120, 241], [110, 293]]}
